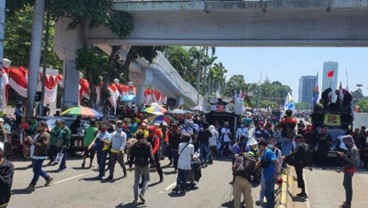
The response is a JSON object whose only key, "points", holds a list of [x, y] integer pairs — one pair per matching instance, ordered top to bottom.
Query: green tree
{"points": [[216, 77], [236, 82], [357, 94], [363, 104]]}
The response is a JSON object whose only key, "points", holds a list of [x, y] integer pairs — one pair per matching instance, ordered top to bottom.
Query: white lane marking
{"points": [[71, 178], [170, 186], [306, 190]]}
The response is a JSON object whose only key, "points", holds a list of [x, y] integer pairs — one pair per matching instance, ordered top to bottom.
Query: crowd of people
{"points": [[190, 144]]}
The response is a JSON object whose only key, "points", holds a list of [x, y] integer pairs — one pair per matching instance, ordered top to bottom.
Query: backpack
{"points": [[307, 156], [246, 169]]}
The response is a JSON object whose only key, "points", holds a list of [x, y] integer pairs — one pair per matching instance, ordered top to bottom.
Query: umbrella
{"points": [[128, 98], [156, 110], [82, 111], [177, 111], [162, 118]]}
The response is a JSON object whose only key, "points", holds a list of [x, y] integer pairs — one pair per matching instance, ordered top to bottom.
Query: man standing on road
{"points": [[241, 131], [91, 132], [203, 136], [54, 137], [118, 142], [324, 142], [38, 149], [141, 155], [296, 159], [351, 160], [270, 167], [6, 178]]}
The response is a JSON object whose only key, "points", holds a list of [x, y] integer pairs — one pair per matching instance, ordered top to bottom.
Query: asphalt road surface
{"points": [[75, 187], [325, 188]]}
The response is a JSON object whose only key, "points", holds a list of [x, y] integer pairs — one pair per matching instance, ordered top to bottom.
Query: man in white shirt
{"points": [[242, 131], [225, 140], [118, 142], [186, 152]]}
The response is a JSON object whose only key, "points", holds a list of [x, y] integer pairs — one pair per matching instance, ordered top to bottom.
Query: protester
{"points": [[18, 112], [288, 124], [75, 125], [241, 131], [91, 132], [3, 133], [64, 137], [203, 137], [225, 140], [174, 141], [118, 142], [324, 142], [212, 143], [39, 144], [101, 145], [53, 149], [156, 149], [186, 152], [278, 154], [140, 155], [297, 159], [351, 161], [243, 169], [270, 173], [6, 178]]}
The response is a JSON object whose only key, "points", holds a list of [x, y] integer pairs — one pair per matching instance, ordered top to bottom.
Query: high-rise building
{"points": [[330, 77], [306, 86]]}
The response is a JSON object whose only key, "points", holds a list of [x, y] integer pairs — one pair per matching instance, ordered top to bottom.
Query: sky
{"points": [[288, 64]]}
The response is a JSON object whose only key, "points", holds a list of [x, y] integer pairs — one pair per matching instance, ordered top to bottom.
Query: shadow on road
{"points": [[23, 168], [154, 184], [21, 191], [298, 199], [131, 205]]}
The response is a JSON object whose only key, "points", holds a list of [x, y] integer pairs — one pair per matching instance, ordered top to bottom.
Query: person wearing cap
{"points": [[142, 128], [91, 132], [64, 140], [118, 142], [39, 144], [156, 149], [140, 155], [296, 159], [351, 160], [270, 173], [6, 178]]}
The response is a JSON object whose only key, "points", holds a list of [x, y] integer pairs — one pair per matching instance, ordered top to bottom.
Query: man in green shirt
{"points": [[32, 126], [91, 132], [64, 136], [54, 137]]}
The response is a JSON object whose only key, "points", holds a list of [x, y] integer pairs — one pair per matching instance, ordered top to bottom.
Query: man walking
{"points": [[91, 132], [203, 136], [64, 137], [118, 142], [101, 145], [38, 149], [156, 149], [186, 152], [140, 156], [351, 160], [6, 178]]}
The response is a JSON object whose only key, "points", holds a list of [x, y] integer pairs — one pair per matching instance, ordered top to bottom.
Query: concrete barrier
{"points": [[283, 197]]}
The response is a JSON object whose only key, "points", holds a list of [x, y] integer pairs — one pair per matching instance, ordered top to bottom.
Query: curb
{"points": [[287, 180]]}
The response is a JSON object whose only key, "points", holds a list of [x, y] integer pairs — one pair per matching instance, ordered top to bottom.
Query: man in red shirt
{"points": [[288, 124], [156, 149]]}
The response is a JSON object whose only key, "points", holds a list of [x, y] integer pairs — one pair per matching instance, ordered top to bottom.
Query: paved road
{"points": [[74, 188], [325, 188]]}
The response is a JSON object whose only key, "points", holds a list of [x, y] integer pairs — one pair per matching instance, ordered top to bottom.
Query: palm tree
{"points": [[217, 77]]}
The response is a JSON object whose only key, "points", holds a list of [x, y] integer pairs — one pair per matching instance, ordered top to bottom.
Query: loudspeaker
{"points": [[171, 102]]}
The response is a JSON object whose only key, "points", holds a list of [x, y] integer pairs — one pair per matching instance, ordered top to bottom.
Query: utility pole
{"points": [[2, 26], [35, 53], [45, 56], [198, 74]]}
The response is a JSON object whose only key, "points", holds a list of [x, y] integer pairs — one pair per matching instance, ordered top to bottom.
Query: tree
{"points": [[216, 77], [236, 82], [357, 94], [363, 104]]}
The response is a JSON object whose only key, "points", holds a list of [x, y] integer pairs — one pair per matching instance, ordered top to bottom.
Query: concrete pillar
{"points": [[71, 84], [139, 96], [179, 101]]}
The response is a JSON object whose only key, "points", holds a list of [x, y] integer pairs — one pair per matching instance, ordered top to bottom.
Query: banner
{"points": [[332, 120]]}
